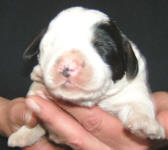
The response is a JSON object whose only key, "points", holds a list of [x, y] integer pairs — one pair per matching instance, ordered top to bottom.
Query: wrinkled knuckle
{"points": [[17, 112], [92, 123], [76, 143]]}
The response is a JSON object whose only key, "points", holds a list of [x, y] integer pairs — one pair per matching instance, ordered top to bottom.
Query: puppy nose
{"points": [[70, 67], [66, 72]]}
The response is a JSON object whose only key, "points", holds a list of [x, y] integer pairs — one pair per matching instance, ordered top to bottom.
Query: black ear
{"points": [[124, 46], [33, 48], [115, 49], [31, 53], [130, 60]]}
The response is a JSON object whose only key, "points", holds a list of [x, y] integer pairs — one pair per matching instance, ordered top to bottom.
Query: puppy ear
{"points": [[123, 44], [33, 48], [115, 49], [31, 53], [130, 60]]}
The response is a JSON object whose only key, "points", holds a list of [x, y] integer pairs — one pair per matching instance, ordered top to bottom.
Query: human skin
{"points": [[80, 127]]}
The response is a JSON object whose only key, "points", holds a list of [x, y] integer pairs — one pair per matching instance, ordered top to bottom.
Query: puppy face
{"points": [[83, 54]]}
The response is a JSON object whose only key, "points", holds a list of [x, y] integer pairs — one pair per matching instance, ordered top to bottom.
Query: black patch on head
{"points": [[115, 50], [31, 53]]}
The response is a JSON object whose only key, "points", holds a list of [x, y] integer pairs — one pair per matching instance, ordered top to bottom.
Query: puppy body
{"points": [[86, 60]]}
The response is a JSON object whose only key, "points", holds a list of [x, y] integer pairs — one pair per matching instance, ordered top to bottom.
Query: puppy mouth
{"points": [[67, 84]]}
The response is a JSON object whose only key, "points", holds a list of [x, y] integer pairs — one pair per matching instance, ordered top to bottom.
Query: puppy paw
{"points": [[144, 126], [25, 136], [18, 140]]}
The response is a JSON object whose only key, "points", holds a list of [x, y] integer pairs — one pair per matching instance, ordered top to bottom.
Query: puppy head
{"points": [[83, 54]]}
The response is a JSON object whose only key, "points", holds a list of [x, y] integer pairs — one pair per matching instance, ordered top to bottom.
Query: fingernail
{"points": [[32, 105], [28, 117]]}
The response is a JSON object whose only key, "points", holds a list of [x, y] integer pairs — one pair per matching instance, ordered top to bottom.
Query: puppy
{"points": [[85, 59]]}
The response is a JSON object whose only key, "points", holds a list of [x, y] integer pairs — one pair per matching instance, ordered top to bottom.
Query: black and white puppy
{"points": [[86, 60]]}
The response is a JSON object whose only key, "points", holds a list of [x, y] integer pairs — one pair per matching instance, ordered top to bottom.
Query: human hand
{"points": [[161, 104], [14, 114], [85, 128]]}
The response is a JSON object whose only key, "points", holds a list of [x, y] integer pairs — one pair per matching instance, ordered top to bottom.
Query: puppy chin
{"points": [[73, 94]]}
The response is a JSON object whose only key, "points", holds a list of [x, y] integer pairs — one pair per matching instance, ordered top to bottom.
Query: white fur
{"points": [[63, 35], [130, 100], [26, 136]]}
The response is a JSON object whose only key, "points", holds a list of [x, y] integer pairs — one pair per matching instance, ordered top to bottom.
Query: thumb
{"points": [[21, 115]]}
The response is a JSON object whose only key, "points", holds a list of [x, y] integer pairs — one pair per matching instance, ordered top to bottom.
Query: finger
{"points": [[3, 99], [160, 100], [3, 102], [161, 103], [19, 113], [31, 119], [93, 119], [163, 119], [64, 125], [103, 125], [43, 144]]}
